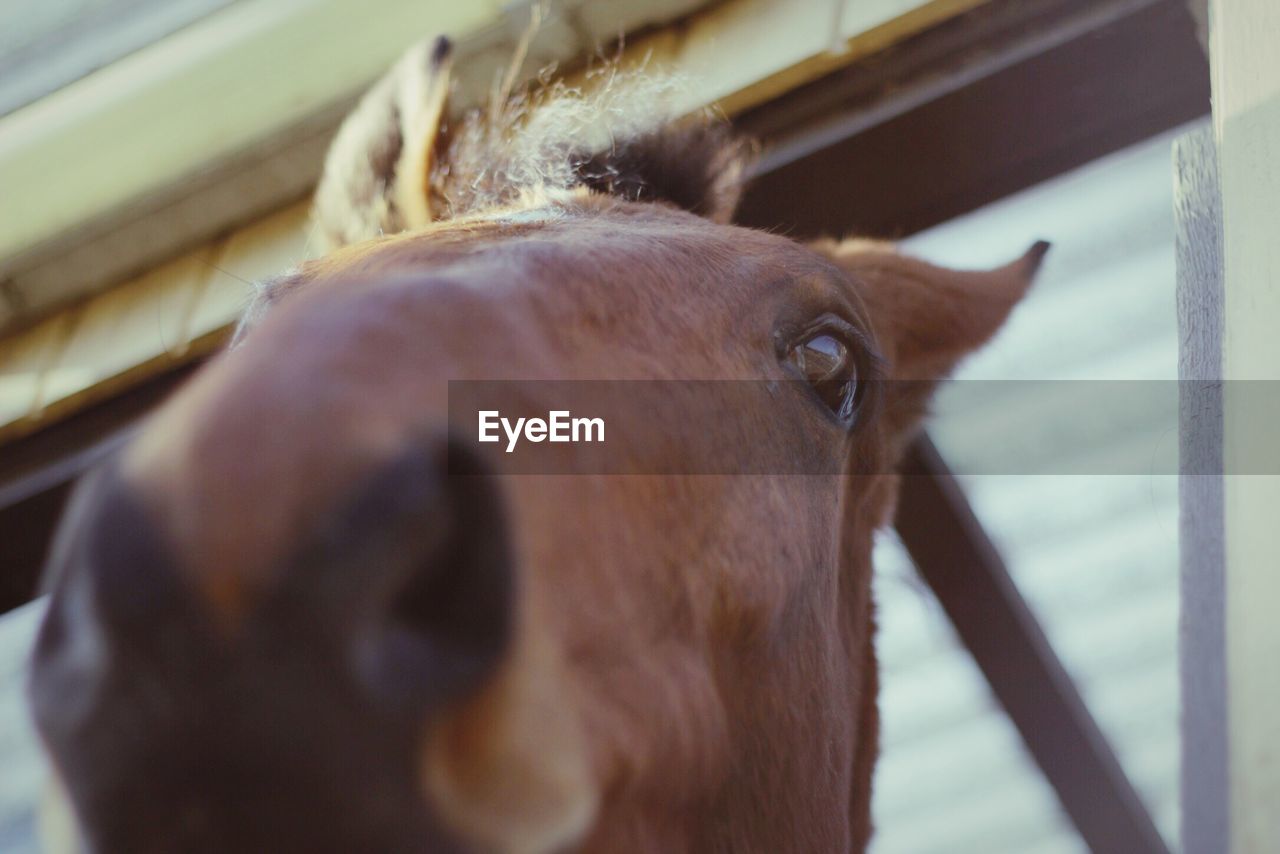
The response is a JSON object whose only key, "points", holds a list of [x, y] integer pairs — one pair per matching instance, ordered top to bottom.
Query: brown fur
{"points": [[691, 666]]}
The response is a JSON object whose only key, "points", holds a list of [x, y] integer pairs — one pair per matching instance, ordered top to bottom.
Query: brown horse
{"points": [[301, 612]]}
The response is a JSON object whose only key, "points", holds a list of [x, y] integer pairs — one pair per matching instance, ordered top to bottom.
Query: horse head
{"points": [[304, 611]]}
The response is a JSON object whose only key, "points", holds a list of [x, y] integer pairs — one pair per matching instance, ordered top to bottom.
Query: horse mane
{"points": [[616, 135], [401, 161]]}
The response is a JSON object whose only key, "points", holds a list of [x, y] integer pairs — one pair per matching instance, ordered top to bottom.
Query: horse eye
{"points": [[827, 364]]}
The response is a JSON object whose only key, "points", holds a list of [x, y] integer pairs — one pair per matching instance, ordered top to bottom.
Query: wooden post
{"points": [[1198, 217], [1231, 581]]}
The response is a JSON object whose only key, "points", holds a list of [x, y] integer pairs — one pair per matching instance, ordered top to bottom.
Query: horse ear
{"points": [[697, 165], [377, 173], [927, 318]]}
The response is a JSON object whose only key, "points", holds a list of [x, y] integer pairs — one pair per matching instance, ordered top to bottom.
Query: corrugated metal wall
{"points": [[1095, 554], [22, 770]]}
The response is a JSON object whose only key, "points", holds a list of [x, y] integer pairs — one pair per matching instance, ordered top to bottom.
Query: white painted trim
{"points": [[1245, 68], [236, 78], [194, 97]]}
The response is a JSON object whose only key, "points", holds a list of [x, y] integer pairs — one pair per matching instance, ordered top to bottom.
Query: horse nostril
{"points": [[415, 574], [172, 733]]}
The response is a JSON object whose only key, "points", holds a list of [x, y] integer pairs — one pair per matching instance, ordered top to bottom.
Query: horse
{"points": [[302, 612]]}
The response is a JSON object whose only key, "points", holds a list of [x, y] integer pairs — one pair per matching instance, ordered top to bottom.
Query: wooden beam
{"points": [[1001, 98], [955, 556]]}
